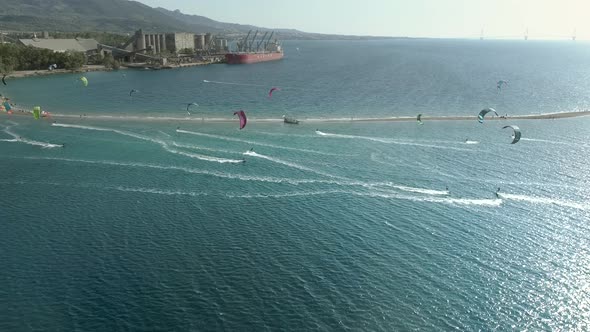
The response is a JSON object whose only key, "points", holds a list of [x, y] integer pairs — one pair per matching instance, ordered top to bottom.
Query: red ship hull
{"points": [[245, 58]]}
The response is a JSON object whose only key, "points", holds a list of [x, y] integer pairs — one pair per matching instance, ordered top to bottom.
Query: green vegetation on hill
{"points": [[120, 16], [15, 57]]}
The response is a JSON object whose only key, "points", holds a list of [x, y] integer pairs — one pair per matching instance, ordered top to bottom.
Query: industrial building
{"points": [[142, 42], [175, 42], [156, 43], [165, 47]]}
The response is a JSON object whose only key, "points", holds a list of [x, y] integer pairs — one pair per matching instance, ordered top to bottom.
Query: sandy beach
{"points": [[136, 118]]}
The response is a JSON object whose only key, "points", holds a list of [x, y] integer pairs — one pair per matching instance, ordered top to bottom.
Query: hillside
{"points": [[119, 16]]}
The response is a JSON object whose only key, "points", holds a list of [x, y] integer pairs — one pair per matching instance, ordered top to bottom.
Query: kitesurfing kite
{"points": [[4, 79], [84, 80], [501, 83], [132, 91], [271, 91], [7, 106], [188, 107], [37, 112], [483, 113], [242, 117], [419, 119], [516, 136]]}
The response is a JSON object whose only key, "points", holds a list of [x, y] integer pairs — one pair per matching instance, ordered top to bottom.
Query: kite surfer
{"points": [[498, 192]]}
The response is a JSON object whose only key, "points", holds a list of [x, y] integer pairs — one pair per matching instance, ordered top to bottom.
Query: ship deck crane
{"points": [[268, 41], [244, 42], [252, 42], [260, 42]]}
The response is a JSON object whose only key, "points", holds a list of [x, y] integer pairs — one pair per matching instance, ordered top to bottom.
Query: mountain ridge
{"points": [[124, 17]]}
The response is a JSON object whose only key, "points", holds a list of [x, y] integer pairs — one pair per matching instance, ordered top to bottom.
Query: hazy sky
{"points": [[415, 18]]}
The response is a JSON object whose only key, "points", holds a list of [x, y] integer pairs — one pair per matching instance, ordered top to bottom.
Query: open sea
{"points": [[147, 224]]}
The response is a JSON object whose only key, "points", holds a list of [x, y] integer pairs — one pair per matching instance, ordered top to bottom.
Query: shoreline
{"points": [[96, 68], [45, 72], [138, 118]]}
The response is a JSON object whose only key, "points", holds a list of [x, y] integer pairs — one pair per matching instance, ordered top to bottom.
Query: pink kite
{"points": [[271, 91], [242, 117]]}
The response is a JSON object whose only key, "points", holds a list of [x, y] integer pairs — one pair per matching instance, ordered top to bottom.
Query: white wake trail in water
{"points": [[163, 133], [285, 135], [20, 139], [232, 139], [389, 141], [553, 142], [163, 144], [196, 147], [204, 157], [289, 164], [233, 176], [236, 176], [422, 190], [155, 191], [292, 194], [427, 195], [438, 200], [546, 201]]}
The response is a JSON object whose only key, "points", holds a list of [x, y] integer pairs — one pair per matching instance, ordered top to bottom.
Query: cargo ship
{"points": [[249, 50]]}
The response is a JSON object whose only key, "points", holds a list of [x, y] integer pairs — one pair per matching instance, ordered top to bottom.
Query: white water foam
{"points": [[163, 133], [285, 135], [20, 139], [231, 139], [389, 141], [471, 142], [552, 142], [163, 144], [196, 147], [203, 157], [289, 164], [190, 171], [278, 180], [422, 190], [156, 191], [292, 194], [443, 200], [450, 201], [546, 201]]}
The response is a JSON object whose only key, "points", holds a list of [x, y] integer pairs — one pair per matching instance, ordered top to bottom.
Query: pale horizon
{"points": [[502, 19]]}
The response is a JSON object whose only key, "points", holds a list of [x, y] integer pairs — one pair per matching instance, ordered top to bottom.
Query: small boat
{"points": [[289, 120]]}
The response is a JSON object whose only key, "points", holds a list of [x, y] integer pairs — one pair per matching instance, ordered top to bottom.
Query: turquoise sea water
{"points": [[137, 226]]}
